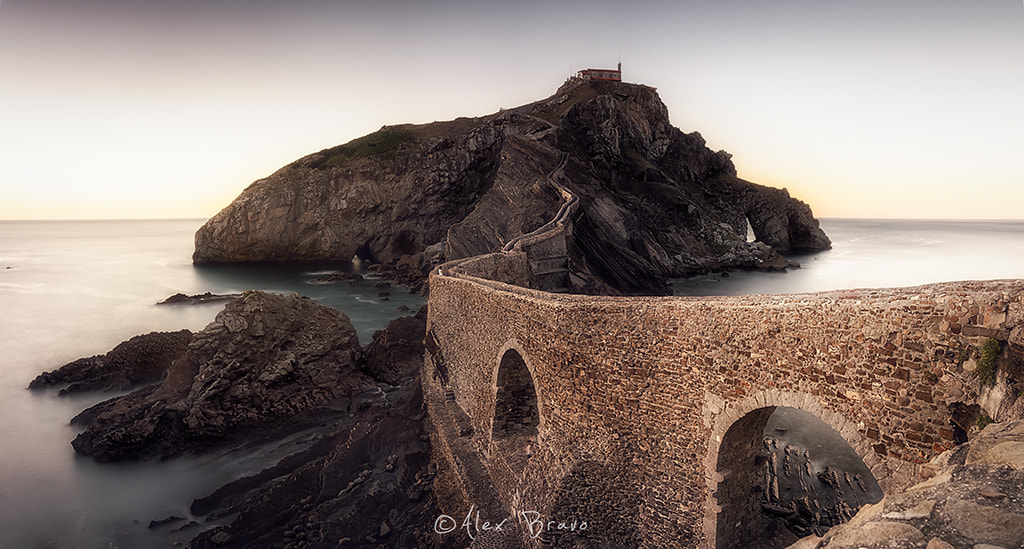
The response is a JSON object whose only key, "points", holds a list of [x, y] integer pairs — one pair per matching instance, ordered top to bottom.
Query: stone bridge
{"points": [[643, 417]]}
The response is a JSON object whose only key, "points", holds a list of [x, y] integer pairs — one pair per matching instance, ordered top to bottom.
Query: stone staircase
{"points": [[546, 248], [550, 273]]}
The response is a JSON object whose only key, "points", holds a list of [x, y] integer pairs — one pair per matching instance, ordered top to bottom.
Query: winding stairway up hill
{"points": [[636, 199]]}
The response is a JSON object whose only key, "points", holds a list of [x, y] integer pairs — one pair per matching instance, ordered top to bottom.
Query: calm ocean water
{"points": [[886, 253], [77, 288], [70, 289]]}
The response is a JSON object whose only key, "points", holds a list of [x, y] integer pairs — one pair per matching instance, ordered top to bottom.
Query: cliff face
{"points": [[653, 202]]}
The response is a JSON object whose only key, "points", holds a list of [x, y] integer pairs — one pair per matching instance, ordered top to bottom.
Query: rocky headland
{"points": [[634, 200], [648, 201], [139, 361]]}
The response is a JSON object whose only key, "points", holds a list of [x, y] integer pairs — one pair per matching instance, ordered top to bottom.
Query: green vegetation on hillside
{"points": [[387, 140], [383, 141]]}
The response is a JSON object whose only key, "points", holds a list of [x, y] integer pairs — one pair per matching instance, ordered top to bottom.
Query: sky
{"points": [[161, 109]]}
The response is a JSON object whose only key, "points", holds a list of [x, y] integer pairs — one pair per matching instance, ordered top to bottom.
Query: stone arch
{"points": [[516, 423], [734, 461]]}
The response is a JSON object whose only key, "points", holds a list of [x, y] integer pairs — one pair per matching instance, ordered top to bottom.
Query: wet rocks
{"points": [[341, 276], [197, 299], [265, 358], [139, 361], [364, 483], [972, 499], [808, 502]]}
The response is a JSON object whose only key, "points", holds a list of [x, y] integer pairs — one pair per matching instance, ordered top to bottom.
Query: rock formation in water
{"points": [[650, 201], [197, 299], [265, 358], [139, 361], [267, 368], [970, 498], [805, 501]]}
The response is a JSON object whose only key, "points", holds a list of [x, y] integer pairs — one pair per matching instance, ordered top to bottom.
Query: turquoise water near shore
{"points": [[70, 289]]}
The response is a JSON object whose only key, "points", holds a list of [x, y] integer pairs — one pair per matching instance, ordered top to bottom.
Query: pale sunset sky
{"points": [[140, 109]]}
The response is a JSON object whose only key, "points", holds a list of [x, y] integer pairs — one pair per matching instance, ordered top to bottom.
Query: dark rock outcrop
{"points": [[651, 202], [197, 299], [396, 353], [265, 358], [141, 360], [359, 469], [367, 481], [971, 498]]}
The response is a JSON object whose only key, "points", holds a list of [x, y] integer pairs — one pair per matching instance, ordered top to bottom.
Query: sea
{"points": [[70, 289]]}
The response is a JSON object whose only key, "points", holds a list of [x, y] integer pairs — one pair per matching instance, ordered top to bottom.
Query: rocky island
{"points": [[646, 201], [642, 417]]}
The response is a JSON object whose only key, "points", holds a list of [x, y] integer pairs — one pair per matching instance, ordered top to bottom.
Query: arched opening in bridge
{"points": [[516, 418], [786, 474]]}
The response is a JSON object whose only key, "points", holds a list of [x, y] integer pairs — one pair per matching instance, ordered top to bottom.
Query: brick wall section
{"points": [[647, 387]]}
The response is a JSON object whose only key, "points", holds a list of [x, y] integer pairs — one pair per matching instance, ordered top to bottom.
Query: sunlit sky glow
{"points": [[137, 109]]}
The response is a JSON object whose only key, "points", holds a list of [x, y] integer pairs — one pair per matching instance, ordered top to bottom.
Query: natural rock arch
{"points": [[516, 423], [735, 463]]}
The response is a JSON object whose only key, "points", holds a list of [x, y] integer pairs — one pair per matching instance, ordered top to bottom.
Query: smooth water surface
{"points": [[885, 254], [70, 289]]}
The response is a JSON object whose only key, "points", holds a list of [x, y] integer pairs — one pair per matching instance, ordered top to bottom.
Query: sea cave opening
{"points": [[786, 474]]}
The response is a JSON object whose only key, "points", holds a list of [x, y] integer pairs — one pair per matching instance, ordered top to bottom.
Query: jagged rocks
{"points": [[653, 202], [197, 299], [396, 353], [266, 357], [141, 360], [366, 480], [971, 499], [808, 502]]}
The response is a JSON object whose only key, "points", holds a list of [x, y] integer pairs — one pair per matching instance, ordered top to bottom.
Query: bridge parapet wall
{"points": [[643, 389]]}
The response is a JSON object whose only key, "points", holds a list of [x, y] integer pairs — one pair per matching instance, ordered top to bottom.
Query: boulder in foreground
{"points": [[265, 358]]}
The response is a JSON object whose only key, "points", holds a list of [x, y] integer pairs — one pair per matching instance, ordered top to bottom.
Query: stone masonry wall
{"points": [[643, 389]]}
